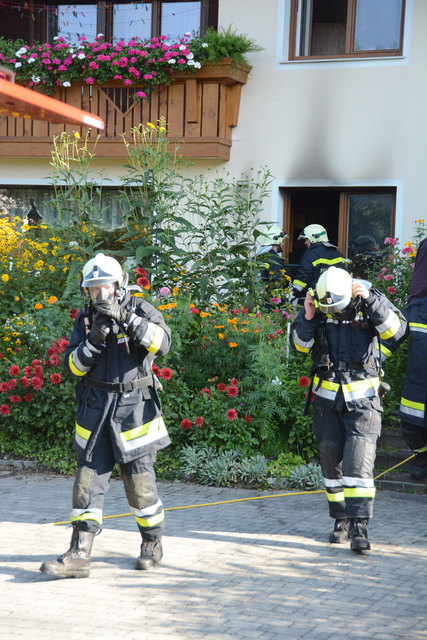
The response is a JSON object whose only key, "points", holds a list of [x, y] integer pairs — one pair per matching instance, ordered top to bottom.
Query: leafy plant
{"points": [[307, 476]]}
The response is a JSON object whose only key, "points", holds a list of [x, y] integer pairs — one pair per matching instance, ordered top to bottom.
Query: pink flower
{"points": [[90, 80], [141, 94], [391, 241], [407, 249], [389, 276], [392, 289], [234, 382], [232, 391], [232, 414], [198, 421]]}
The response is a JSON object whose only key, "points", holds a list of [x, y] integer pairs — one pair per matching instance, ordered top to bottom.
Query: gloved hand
{"points": [[114, 311], [101, 327]]}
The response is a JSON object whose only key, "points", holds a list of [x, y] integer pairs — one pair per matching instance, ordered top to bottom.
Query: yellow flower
{"points": [[151, 125], [161, 129], [77, 135], [419, 221], [85, 229], [5, 277], [52, 300], [171, 305], [38, 306], [162, 307], [203, 314], [232, 321], [219, 326], [15, 334], [221, 336], [18, 342], [232, 344]]}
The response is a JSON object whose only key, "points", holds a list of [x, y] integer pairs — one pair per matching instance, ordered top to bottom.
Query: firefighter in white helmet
{"points": [[319, 255], [272, 275], [340, 326], [119, 420]]}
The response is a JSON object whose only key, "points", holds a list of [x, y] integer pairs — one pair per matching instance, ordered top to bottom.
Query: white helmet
{"points": [[314, 233], [272, 235], [103, 270], [334, 290]]}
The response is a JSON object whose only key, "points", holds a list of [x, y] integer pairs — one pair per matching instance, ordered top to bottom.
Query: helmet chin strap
{"points": [[120, 293]]}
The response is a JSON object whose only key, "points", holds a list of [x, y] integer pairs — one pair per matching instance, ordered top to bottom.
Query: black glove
{"points": [[113, 310], [101, 327]]}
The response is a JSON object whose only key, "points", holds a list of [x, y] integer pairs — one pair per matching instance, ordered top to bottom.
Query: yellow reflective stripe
{"points": [[326, 261], [299, 283], [418, 324], [394, 328], [156, 343], [301, 349], [385, 351], [73, 368], [326, 384], [359, 385], [411, 404], [137, 432], [83, 433], [359, 492], [335, 497], [86, 516], [151, 521]]}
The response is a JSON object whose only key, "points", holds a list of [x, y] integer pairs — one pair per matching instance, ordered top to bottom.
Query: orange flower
{"points": [[38, 306], [232, 321], [221, 336], [232, 344]]}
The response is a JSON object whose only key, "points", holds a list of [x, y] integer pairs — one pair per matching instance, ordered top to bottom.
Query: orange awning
{"points": [[21, 102]]}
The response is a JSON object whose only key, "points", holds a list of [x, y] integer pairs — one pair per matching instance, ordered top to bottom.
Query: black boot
{"points": [[419, 470], [341, 531], [359, 534], [151, 554], [75, 563]]}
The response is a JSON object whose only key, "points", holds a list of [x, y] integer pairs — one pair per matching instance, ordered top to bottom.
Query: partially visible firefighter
{"points": [[319, 256], [273, 273], [343, 325], [413, 414], [119, 419]]}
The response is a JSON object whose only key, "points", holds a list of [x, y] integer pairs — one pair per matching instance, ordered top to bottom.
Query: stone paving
{"points": [[259, 569]]}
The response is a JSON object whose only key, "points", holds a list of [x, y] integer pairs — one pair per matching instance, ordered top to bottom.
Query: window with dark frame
{"points": [[43, 21], [346, 28]]}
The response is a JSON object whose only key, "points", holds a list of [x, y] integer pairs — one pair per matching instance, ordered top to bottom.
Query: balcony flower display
{"points": [[148, 64]]}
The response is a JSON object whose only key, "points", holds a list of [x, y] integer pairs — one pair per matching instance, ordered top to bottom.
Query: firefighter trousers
{"points": [[347, 443], [93, 480]]}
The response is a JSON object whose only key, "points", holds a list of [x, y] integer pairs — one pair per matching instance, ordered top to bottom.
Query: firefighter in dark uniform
{"points": [[320, 255], [272, 274], [340, 327], [413, 414], [119, 418]]}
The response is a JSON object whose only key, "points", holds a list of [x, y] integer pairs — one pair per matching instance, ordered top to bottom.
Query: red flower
{"points": [[139, 271], [143, 282], [194, 310], [73, 313], [279, 332], [271, 336], [63, 342], [54, 360], [34, 362], [155, 369], [14, 370], [38, 370], [28, 371], [166, 373], [55, 378], [304, 381], [25, 382], [234, 382], [37, 383], [11, 384], [220, 386], [4, 388], [205, 390], [232, 391], [312, 396], [28, 397], [15, 399], [5, 409], [232, 414], [248, 418], [198, 421], [186, 424]]}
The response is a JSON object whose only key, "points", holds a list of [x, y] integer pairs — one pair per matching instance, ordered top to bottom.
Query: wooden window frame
{"points": [[350, 54]]}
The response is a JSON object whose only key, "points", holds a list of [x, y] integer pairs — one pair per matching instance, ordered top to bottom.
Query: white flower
{"points": [[187, 33], [100, 35], [56, 38], [205, 44], [182, 47], [71, 50], [20, 51], [81, 56], [190, 56], [30, 60], [172, 61], [191, 63], [18, 64], [197, 65], [35, 79], [66, 84], [276, 382]]}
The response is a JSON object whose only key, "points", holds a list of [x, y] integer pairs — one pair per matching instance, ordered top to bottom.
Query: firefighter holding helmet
{"points": [[319, 256], [342, 326], [119, 420]]}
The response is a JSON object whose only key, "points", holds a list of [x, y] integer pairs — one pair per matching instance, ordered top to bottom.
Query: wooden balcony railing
{"points": [[200, 109]]}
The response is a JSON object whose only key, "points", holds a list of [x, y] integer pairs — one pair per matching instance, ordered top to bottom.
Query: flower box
{"points": [[200, 109]]}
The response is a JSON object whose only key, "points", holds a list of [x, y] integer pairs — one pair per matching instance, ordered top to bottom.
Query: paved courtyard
{"points": [[254, 569]]}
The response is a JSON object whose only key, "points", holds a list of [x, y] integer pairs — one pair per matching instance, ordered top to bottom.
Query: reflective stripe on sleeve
{"points": [[329, 262], [299, 285], [390, 327], [417, 327], [153, 337], [303, 347], [326, 389]]}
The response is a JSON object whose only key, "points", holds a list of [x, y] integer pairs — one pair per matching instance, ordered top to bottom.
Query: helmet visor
{"points": [[102, 292]]}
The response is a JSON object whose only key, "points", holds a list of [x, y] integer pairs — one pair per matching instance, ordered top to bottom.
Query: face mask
{"points": [[103, 293]]}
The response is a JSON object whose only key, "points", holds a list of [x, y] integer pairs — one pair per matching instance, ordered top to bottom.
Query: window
{"points": [[117, 21], [346, 28]]}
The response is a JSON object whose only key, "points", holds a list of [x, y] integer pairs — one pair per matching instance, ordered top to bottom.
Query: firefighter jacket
{"points": [[318, 257], [345, 353], [116, 388], [414, 395]]}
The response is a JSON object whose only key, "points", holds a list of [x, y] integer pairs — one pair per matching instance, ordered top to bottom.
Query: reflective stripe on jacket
{"points": [[414, 394]]}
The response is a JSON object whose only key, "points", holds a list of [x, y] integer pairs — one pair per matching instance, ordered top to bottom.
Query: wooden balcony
{"points": [[200, 109]]}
